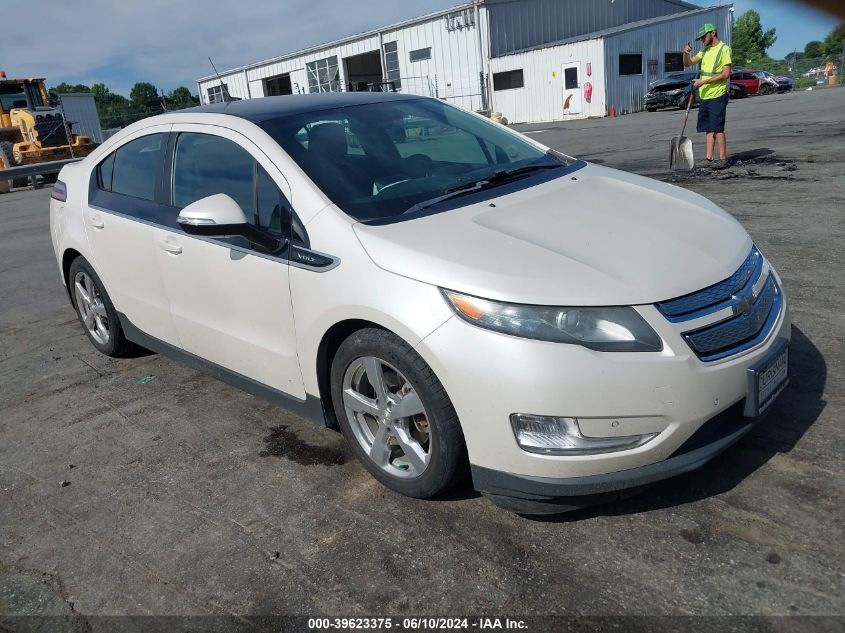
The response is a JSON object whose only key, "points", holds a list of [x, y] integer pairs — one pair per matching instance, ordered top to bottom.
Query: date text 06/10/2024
{"points": [[416, 624]]}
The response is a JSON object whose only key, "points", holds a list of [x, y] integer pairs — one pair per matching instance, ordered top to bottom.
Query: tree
{"points": [[835, 40], [749, 41], [814, 49], [65, 88], [144, 95], [181, 97]]}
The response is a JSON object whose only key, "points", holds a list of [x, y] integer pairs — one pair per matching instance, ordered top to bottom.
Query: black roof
{"points": [[266, 108]]}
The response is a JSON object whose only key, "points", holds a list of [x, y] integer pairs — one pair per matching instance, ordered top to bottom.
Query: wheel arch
{"points": [[68, 257], [330, 342]]}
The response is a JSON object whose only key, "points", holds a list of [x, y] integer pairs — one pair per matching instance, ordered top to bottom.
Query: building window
{"points": [[460, 20], [420, 54], [673, 62], [630, 63], [391, 64], [323, 75], [508, 80], [215, 94]]}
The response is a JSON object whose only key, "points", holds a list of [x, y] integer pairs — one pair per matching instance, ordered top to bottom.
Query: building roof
{"points": [[622, 28], [344, 40], [266, 108]]}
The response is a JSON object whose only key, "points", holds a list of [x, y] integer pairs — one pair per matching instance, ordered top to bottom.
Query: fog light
{"points": [[561, 436]]}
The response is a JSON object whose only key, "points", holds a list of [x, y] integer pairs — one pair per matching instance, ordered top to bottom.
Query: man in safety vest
{"points": [[715, 60]]}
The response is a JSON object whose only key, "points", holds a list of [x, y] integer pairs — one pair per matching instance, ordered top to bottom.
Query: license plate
{"points": [[767, 379]]}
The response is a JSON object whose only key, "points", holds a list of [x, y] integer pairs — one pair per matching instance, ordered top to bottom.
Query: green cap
{"points": [[705, 30]]}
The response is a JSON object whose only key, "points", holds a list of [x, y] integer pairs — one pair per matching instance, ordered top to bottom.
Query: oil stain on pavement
{"points": [[282, 442]]}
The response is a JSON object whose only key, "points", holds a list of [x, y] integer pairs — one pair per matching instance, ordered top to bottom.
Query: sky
{"points": [[167, 43]]}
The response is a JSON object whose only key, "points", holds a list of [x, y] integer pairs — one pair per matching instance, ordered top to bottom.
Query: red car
{"points": [[748, 79], [754, 82]]}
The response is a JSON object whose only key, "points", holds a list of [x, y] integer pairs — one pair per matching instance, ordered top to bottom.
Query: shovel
{"points": [[680, 154]]}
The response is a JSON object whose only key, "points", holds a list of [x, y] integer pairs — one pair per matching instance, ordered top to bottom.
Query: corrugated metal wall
{"points": [[520, 24], [453, 72], [627, 93], [542, 98], [82, 111]]}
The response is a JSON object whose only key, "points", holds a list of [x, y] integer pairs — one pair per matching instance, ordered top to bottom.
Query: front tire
{"points": [[95, 310], [396, 415]]}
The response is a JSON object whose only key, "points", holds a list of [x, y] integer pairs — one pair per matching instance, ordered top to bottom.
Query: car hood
{"points": [[668, 85], [595, 237]]}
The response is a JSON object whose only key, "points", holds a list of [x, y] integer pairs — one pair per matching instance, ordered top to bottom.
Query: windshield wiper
{"points": [[506, 174], [497, 177], [454, 192]]}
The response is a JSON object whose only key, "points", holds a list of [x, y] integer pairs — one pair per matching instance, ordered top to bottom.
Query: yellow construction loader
{"points": [[32, 130]]}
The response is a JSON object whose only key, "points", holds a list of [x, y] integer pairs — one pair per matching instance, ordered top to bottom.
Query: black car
{"points": [[673, 91]]}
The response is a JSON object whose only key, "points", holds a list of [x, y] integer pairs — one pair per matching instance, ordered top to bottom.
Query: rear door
{"points": [[122, 219], [230, 303]]}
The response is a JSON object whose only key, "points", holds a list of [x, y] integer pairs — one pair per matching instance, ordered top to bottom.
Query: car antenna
{"points": [[226, 96]]}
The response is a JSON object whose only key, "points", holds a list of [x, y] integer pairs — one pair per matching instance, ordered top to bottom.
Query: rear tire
{"points": [[95, 310], [376, 378]]}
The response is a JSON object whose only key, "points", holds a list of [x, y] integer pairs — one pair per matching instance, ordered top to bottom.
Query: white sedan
{"points": [[455, 297]]}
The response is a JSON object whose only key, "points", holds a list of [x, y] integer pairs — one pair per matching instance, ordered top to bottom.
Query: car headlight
{"points": [[677, 91], [606, 329]]}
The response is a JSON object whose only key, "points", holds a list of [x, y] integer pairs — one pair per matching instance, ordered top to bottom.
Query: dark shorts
{"points": [[711, 114]]}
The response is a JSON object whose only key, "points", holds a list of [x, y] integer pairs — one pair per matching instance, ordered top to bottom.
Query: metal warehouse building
{"points": [[531, 60]]}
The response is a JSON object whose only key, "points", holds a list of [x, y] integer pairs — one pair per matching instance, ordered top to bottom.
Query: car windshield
{"points": [[404, 158]]}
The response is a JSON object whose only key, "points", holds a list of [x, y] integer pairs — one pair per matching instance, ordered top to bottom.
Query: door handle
{"points": [[97, 222], [170, 247]]}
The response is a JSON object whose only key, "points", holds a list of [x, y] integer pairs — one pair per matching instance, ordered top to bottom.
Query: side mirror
{"points": [[220, 216]]}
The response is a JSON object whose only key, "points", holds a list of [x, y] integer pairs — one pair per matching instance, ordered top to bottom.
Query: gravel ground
{"points": [[188, 497]]}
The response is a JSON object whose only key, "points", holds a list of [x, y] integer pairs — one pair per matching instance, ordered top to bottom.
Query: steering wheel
{"points": [[413, 167]]}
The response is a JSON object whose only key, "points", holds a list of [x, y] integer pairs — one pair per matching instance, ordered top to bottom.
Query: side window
{"points": [[205, 165], [135, 167], [104, 173], [271, 212]]}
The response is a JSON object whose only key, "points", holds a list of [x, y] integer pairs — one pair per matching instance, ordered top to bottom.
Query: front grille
{"points": [[51, 130], [717, 296], [752, 320], [739, 332]]}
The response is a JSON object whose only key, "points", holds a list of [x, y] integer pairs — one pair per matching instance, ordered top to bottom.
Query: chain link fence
{"points": [[802, 72]]}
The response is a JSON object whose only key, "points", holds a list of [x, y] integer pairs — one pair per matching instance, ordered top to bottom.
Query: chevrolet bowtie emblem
{"points": [[743, 305]]}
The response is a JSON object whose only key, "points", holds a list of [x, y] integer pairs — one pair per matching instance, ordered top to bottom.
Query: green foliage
{"points": [[748, 39], [834, 42], [814, 49], [804, 82], [65, 88], [144, 95], [181, 97], [117, 111]]}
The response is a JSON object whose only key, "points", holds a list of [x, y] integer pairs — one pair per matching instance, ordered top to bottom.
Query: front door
{"points": [[572, 88], [231, 305]]}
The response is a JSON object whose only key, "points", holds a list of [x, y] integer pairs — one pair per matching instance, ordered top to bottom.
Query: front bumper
{"points": [[672, 393], [538, 495]]}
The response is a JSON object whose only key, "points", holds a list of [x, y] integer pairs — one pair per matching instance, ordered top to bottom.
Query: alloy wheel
{"points": [[91, 308], [387, 417]]}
